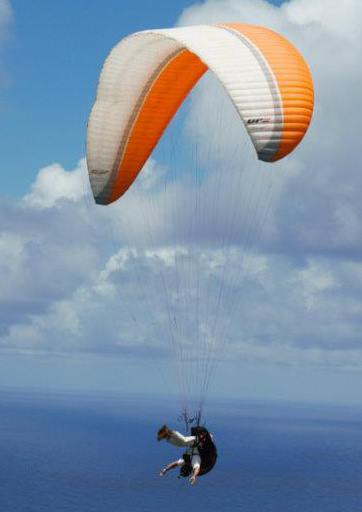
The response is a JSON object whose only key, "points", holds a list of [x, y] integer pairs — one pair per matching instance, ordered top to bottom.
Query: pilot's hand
{"points": [[193, 480]]}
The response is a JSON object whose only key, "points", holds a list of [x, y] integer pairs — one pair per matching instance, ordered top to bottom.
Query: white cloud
{"points": [[258, 12], [343, 19], [151, 175], [54, 184], [12, 253], [167, 255], [312, 281]]}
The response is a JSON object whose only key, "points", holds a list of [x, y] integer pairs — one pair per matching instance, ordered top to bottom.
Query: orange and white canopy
{"points": [[147, 75]]}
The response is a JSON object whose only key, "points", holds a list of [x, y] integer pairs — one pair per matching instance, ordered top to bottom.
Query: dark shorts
{"points": [[207, 463]]}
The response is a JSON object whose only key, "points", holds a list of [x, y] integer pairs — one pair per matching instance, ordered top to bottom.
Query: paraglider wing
{"points": [[147, 76]]}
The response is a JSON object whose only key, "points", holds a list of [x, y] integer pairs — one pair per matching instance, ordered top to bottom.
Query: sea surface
{"points": [[63, 452]]}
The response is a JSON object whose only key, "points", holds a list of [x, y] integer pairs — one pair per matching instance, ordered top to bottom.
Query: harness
{"points": [[207, 452]]}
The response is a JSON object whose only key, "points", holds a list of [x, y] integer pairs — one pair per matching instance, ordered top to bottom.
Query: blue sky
{"points": [[53, 58], [60, 318]]}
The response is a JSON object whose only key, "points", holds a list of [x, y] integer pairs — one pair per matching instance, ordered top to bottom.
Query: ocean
{"points": [[67, 452]]}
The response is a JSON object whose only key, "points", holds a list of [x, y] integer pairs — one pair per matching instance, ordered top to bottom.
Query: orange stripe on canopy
{"points": [[293, 78], [160, 104]]}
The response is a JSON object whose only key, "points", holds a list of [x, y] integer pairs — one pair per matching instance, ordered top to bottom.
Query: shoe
{"points": [[163, 433]]}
